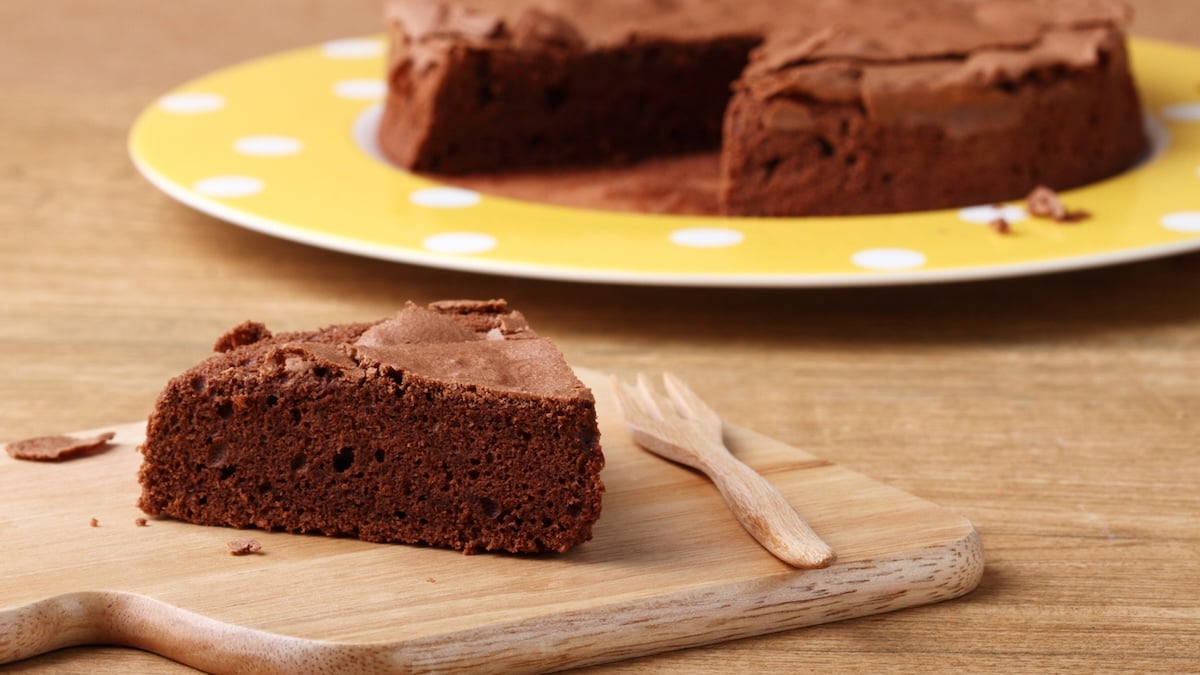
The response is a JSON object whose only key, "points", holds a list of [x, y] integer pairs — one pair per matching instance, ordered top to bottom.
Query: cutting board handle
{"points": [[128, 619]]}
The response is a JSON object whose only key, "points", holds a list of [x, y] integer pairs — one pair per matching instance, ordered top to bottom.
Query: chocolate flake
{"points": [[1043, 202], [58, 448], [244, 547]]}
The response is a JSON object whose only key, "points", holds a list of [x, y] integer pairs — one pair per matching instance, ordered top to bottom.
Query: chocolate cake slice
{"points": [[454, 425]]}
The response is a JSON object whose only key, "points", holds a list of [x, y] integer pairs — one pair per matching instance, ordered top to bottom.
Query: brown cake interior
{"points": [[453, 426]]}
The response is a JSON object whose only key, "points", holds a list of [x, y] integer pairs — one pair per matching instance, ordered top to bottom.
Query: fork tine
{"points": [[648, 398], [626, 399], [632, 401], [687, 403]]}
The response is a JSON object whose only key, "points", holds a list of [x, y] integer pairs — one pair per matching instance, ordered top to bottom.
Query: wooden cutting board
{"points": [[668, 568]]}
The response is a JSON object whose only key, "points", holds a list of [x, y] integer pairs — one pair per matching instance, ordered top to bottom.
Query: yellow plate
{"points": [[284, 145]]}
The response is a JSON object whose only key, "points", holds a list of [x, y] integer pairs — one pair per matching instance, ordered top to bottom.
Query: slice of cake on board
{"points": [[454, 425]]}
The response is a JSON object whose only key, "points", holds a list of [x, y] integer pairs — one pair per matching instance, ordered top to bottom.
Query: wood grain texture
{"points": [[1057, 413], [319, 604]]}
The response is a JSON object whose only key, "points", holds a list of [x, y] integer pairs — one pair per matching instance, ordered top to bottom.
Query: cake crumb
{"points": [[1045, 203], [1000, 226], [58, 448], [94, 522], [141, 522], [244, 547], [430, 580]]}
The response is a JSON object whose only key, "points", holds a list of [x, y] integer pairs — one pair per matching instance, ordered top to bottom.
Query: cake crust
{"points": [[454, 425]]}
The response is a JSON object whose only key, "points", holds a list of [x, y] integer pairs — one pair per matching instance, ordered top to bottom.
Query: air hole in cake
{"points": [[484, 94], [555, 96], [769, 167], [199, 384], [272, 400], [225, 409], [217, 453], [380, 456], [343, 460], [299, 462], [227, 471], [473, 474], [264, 488], [490, 508], [574, 510], [399, 515]]}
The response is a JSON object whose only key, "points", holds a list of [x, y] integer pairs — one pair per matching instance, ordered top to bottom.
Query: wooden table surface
{"points": [[1061, 413]]}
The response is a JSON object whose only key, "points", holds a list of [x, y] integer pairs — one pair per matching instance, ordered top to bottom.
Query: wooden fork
{"points": [[682, 428]]}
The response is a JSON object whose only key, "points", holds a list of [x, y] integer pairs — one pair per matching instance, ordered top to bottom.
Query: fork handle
{"points": [[765, 513]]}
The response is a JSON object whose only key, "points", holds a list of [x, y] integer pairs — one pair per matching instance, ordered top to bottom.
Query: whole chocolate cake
{"points": [[817, 106], [454, 425]]}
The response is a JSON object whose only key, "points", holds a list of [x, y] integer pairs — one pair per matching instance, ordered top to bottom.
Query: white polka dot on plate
{"points": [[352, 48], [360, 90], [191, 103], [1182, 112], [267, 146], [229, 186], [444, 197], [984, 215], [1182, 221], [707, 237], [460, 242], [888, 259]]}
